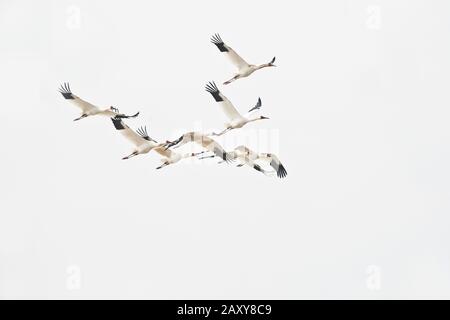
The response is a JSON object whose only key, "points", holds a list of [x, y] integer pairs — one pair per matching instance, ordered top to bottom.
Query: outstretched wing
{"points": [[230, 53], [80, 103], [257, 106], [227, 107], [142, 131], [127, 132], [213, 146], [221, 153], [247, 156], [278, 166]]}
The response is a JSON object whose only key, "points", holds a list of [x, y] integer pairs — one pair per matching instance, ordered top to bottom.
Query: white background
{"points": [[359, 108]]}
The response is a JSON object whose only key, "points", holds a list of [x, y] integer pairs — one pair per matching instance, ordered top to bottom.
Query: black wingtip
{"points": [[217, 40], [273, 60], [211, 87], [65, 91], [259, 103], [257, 106], [124, 116], [118, 124], [142, 131], [228, 157], [257, 168], [281, 172]]}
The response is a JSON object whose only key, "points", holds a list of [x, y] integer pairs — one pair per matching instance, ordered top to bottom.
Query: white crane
{"points": [[244, 69], [88, 109], [236, 120], [204, 141], [144, 144], [250, 158], [244, 159], [274, 162]]}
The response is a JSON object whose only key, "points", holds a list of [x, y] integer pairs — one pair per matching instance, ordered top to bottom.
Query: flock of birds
{"points": [[143, 143]]}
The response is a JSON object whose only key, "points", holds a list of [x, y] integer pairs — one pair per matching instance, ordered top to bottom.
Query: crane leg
{"points": [[231, 80], [82, 116], [223, 132], [134, 154], [194, 154], [207, 157], [163, 165]]}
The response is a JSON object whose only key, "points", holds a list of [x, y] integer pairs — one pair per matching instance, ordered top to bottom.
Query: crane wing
{"points": [[229, 52], [80, 103], [257, 106], [227, 107], [142, 131], [128, 133], [216, 148], [167, 153], [248, 157], [275, 163]]}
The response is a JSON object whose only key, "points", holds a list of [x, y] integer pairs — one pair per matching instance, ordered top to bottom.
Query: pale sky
{"points": [[358, 108]]}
